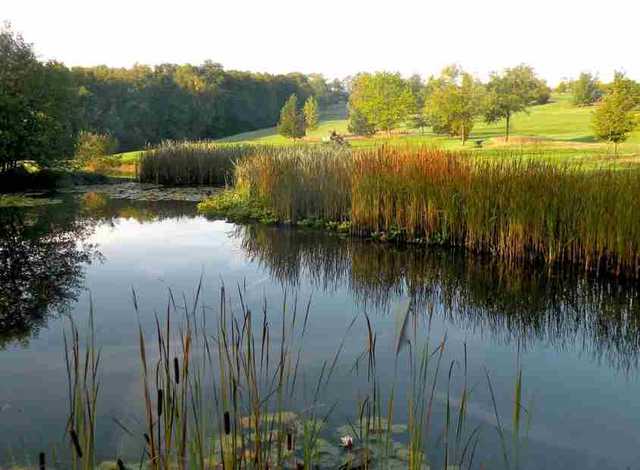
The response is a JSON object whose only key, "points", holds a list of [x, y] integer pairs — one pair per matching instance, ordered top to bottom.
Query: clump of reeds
{"points": [[191, 163], [521, 210]]}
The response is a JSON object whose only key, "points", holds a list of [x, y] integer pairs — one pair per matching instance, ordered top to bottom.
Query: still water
{"points": [[576, 340]]}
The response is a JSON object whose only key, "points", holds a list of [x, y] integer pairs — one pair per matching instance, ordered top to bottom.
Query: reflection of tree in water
{"points": [[43, 249], [41, 257], [599, 317]]}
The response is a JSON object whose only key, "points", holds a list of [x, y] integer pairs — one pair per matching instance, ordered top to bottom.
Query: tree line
{"points": [[49, 111]]}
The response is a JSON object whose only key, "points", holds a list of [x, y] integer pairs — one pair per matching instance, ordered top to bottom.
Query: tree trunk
{"points": [[464, 135]]}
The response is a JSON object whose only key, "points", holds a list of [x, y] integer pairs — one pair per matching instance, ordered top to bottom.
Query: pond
{"points": [[576, 340]]}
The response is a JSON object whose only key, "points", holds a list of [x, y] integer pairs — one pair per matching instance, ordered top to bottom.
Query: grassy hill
{"points": [[558, 130]]}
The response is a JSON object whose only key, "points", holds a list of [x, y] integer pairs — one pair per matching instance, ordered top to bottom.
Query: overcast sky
{"points": [[560, 38]]}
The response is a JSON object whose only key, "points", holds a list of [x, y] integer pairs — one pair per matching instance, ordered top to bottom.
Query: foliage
{"points": [[586, 90], [510, 92], [383, 98], [454, 102], [38, 108], [310, 110], [615, 117], [292, 120], [359, 124], [91, 145]]}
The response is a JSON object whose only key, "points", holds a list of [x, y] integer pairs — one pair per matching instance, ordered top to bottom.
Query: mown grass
{"points": [[521, 210]]}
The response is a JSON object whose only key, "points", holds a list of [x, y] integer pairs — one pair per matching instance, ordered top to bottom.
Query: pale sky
{"points": [[559, 38]]}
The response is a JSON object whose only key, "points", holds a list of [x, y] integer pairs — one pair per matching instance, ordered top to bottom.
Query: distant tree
{"points": [[563, 87], [586, 90], [509, 93], [542, 93], [383, 98], [456, 99], [310, 111], [39, 116], [615, 117], [417, 118], [291, 122], [359, 125]]}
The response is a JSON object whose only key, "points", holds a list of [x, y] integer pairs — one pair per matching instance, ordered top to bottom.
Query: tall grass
{"points": [[191, 163], [519, 210]]}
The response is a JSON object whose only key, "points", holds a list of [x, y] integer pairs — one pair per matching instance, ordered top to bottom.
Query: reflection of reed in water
{"points": [[600, 317]]}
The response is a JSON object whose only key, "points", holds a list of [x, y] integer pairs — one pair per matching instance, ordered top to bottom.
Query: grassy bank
{"points": [[520, 210]]}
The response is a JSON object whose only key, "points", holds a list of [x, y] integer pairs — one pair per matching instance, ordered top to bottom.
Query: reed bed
{"points": [[191, 163], [521, 210], [232, 392]]}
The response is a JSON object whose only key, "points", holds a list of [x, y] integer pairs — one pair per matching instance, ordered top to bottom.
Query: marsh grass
{"points": [[191, 163], [521, 210]]}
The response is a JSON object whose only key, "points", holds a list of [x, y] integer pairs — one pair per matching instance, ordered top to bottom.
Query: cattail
{"points": [[176, 370], [160, 400], [227, 423], [146, 438], [289, 441], [76, 442], [43, 463], [121, 465]]}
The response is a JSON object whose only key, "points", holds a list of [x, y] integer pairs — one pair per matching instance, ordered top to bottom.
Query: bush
{"points": [[92, 145]]}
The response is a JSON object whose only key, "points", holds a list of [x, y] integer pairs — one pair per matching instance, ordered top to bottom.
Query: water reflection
{"points": [[43, 252], [41, 258], [599, 317]]}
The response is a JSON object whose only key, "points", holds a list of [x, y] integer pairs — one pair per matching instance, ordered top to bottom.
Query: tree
{"points": [[586, 90], [509, 93], [383, 98], [455, 100], [38, 105], [310, 111], [615, 117], [417, 119], [291, 122], [359, 125], [91, 145]]}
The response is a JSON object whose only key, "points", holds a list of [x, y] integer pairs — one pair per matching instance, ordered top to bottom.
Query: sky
{"points": [[559, 38]]}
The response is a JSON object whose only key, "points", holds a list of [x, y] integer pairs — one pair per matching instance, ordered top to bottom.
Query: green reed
{"points": [[191, 163], [522, 210]]}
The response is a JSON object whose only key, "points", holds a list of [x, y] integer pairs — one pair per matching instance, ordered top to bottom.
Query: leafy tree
{"points": [[586, 90], [510, 92], [542, 93], [383, 98], [455, 100], [38, 105], [310, 110], [615, 117], [417, 119], [291, 122], [359, 125]]}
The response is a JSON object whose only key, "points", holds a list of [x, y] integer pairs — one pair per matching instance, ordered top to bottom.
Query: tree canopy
{"points": [[511, 92], [384, 99], [38, 105], [615, 117]]}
